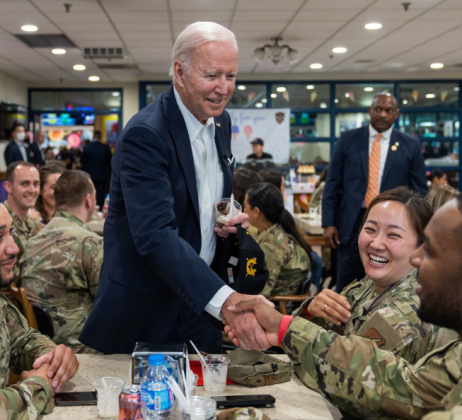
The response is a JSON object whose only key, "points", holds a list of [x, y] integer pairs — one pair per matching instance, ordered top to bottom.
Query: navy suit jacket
{"points": [[13, 154], [36, 154], [96, 161], [346, 182], [151, 271]]}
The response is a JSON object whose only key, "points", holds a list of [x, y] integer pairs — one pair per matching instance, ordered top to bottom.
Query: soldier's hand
{"points": [[241, 218], [330, 236], [331, 306], [268, 317], [63, 365], [42, 372]]}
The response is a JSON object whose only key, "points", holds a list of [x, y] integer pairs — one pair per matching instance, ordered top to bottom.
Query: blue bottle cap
{"points": [[156, 359]]}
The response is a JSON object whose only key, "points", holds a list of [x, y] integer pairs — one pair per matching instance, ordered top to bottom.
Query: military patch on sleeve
{"points": [[378, 329], [375, 336]]}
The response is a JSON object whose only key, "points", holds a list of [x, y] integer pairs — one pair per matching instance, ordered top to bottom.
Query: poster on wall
{"points": [[271, 125]]}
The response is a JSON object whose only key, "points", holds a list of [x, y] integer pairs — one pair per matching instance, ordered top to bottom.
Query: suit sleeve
{"points": [[9, 155], [418, 176], [333, 187], [148, 197], [356, 376]]}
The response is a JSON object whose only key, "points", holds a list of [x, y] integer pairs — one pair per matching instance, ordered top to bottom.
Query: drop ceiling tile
{"points": [[338, 4], [202, 5], [269, 5], [16, 6], [47, 6], [130, 6], [325, 15], [191, 16], [139, 17], [255, 17], [61, 19], [86, 26], [143, 26], [264, 26], [43, 28], [154, 36]]}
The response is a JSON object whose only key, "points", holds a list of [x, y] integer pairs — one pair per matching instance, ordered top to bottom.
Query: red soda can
{"points": [[130, 403]]}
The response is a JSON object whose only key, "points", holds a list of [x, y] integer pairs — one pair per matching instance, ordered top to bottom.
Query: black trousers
{"points": [[101, 191], [349, 265]]}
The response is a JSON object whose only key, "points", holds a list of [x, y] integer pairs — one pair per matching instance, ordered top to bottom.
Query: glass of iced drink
{"points": [[222, 208], [214, 372], [108, 389], [200, 408]]}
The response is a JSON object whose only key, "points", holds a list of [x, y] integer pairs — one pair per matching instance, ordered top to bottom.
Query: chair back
{"points": [[19, 299], [44, 321]]}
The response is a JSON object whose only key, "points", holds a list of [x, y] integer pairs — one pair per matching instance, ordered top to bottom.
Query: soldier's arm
{"points": [[274, 256], [92, 259], [352, 371]]}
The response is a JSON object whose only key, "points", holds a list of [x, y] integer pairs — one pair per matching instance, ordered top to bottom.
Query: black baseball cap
{"points": [[257, 141]]}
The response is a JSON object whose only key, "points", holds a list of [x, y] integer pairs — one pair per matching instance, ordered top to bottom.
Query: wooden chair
{"points": [[19, 299], [283, 299]]}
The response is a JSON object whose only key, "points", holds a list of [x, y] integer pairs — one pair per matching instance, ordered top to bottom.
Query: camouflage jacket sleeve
{"points": [[92, 259], [274, 263], [358, 378], [454, 414]]}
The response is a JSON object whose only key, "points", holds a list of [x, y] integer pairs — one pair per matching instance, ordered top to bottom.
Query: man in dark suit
{"points": [[17, 149], [38, 156], [96, 160], [366, 161], [172, 162]]}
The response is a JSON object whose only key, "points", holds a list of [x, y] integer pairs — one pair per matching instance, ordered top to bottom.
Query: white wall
{"points": [[13, 90]]}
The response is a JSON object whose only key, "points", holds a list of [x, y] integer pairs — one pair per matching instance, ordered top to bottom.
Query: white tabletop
{"points": [[293, 399]]}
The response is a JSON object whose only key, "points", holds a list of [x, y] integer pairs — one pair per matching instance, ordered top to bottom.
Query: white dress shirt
{"points": [[384, 146], [22, 149], [209, 181]]}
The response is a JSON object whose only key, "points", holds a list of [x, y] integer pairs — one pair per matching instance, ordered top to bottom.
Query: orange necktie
{"points": [[374, 166]]}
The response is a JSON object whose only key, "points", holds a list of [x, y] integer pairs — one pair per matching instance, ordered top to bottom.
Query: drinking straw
{"points": [[231, 207], [198, 352], [187, 386], [177, 392]]}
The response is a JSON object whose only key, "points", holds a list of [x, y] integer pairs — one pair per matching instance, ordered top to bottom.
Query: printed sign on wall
{"points": [[271, 125]]}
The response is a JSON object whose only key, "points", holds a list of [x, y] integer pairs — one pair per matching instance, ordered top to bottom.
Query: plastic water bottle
{"points": [[106, 206], [156, 395]]}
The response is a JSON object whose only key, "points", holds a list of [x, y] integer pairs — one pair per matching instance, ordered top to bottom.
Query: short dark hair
{"points": [[18, 124], [97, 133], [44, 172], [436, 173], [9, 175], [272, 176], [243, 179], [71, 189], [420, 212]]}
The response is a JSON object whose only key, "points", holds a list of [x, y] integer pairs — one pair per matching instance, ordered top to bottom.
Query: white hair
{"points": [[195, 35]]}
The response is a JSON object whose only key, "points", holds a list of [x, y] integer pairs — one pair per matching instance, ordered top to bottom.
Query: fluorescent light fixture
{"points": [[373, 26], [29, 28], [339, 50], [58, 51], [437, 65], [316, 66], [79, 67], [93, 78], [241, 87], [310, 87], [281, 89], [369, 89], [115, 93], [274, 95], [347, 95], [430, 95], [264, 101], [404, 101], [259, 105], [323, 105]]}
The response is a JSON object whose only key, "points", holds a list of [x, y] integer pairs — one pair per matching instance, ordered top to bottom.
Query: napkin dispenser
{"points": [[142, 351]]}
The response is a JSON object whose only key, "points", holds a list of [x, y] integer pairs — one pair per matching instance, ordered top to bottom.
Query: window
{"points": [[154, 90], [306, 95], [358, 95], [429, 95], [248, 96], [345, 122], [430, 124], [309, 125], [313, 153], [437, 153]]}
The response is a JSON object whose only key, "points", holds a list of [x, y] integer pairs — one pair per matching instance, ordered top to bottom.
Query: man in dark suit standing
{"points": [[17, 149], [38, 156], [96, 161], [366, 161], [172, 162]]}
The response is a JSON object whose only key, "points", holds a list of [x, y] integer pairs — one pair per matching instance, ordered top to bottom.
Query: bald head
{"points": [[383, 112]]}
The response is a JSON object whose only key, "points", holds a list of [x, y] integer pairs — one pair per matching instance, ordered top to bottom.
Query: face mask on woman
{"points": [[20, 136]]}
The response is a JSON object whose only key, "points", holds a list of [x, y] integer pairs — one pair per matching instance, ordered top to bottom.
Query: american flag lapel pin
{"points": [[218, 125]]}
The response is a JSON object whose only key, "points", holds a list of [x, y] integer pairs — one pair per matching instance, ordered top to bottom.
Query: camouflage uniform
{"points": [[317, 196], [23, 231], [287, 262], [60, 271], [391, 321], [19, 347], [366, 382], [453, 403], [242, 414]]}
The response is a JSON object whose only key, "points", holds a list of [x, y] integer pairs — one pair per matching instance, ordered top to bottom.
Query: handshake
{"points": [[251, 321]]}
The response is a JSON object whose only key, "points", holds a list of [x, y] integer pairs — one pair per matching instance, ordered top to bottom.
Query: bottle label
{"points": [[156, 400]]}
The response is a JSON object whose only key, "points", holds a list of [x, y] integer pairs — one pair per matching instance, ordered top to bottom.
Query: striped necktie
{"points": [[374, 166]]}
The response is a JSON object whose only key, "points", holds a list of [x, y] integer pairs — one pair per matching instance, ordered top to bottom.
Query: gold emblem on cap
{"points": [[250, 264]]}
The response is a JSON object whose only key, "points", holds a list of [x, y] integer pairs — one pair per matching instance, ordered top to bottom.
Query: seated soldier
{"points": [[22, 183], [61, 265], [43, 366], [366, 382]]}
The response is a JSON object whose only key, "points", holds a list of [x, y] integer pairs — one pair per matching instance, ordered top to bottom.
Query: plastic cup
{"points": [[222, 210], [214, 373], [194, 384], [108, 389], [201, 408]]}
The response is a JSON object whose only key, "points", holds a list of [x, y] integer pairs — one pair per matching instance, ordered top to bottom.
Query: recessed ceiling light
{"points": [[373, 26], [29, 28], [339, 50], [58, 51], [437, 65], [316, 66], [79, 67], [93, 78], [241, 87], [310, 87], [457, 88], [281, 89], [369, 89], [115, 93], [274, 95], [347, 95], [430, 95], [336, 100], [264, 101], [404, 101], [259, 105], [323, 105]]}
